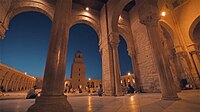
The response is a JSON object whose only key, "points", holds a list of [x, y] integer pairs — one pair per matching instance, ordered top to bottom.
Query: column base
{"points": [[119, 94], [171, 98], [51, 104]]}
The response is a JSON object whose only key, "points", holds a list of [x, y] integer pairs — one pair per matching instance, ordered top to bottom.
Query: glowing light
{"points": [[87, 9], [163, 13], [120, 17], [25, 73], [129, 73], [33, 77], [89, 79], [133, 80], [121, 82], [132, 98], [89, 103]]}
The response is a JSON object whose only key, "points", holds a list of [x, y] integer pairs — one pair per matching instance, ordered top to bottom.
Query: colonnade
{"points": [[13, 80], [52, 91], [52, 98]]}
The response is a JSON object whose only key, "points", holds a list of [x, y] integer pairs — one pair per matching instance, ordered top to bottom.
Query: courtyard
{"points": [[139, 102]]}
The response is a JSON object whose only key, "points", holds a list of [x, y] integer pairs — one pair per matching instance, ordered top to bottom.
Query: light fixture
{"points": [[87, 9], [163, 13], [120, 17], [25, 73], [129, 73], [89, 79], [133, 80]]}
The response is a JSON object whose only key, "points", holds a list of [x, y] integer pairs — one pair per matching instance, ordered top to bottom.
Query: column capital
{"points": [[149, 13], [114, 39], [193, 48], [131, 51], [195, 52]]}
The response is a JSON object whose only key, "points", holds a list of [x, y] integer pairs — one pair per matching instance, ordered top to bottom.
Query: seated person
{"points": [[130, 89], [100, 90], [32, 93]]}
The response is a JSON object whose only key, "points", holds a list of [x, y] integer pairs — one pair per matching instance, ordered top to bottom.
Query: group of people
{"points": [[69, 89], [128, 89], [33, 94]]}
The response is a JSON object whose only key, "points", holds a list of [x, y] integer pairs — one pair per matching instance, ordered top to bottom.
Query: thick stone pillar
{"points": [[149, 16], [114, 42], [131, 53], [196, 59], [176, 69], [107, 70], [52, 98]]}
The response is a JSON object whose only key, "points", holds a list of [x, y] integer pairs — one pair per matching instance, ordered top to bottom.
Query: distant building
{"points": [[78, 71], [78, 76], [127, 79], [14, 80]]}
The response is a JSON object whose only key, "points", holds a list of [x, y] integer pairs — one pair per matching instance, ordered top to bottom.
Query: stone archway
{"points": [[26, 6], [115, 9], [116, 13], [88, 21], [194, 32], [127, 35], [169, 47], [89, 50]]}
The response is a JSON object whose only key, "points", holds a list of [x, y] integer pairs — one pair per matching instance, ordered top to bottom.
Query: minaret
{"points": [[78, 72]]}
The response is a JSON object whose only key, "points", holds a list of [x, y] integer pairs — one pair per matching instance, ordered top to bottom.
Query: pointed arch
{"points": [[192, 29]]}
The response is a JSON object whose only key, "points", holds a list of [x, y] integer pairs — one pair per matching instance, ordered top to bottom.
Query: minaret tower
{"points": [[78, 71]]}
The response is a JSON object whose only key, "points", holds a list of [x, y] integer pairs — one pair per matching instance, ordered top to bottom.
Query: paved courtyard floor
{"points": [[143, 102]]}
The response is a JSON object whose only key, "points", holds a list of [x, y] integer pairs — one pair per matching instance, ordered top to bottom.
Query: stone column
{"points": [[149, 16], [114, 42], [131, 53], [196, 59], [185, 66], [107, 70], [177, 70], [21, 83], [25, 83], [17, 84], [52, 98]]}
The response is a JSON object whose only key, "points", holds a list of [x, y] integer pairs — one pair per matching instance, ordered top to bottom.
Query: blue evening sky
{"points": [[26, 43]]}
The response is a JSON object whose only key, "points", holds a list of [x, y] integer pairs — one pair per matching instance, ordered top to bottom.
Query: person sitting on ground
{"points": [[130, 89], [100, 90], [1, 93], [32, 93]]}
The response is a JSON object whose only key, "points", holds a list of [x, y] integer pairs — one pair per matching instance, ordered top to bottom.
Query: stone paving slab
{"points": [[145, 102]]}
